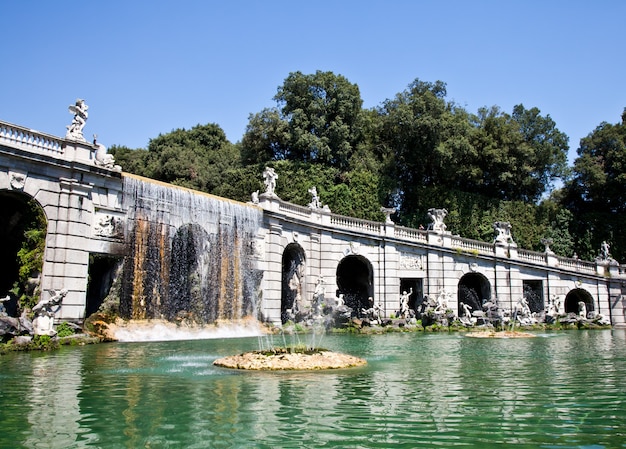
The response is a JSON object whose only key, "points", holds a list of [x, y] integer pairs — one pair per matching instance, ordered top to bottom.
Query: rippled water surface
{"points": [[558, 390]]}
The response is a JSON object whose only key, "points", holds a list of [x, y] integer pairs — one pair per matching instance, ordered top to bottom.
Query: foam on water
{"points": [[163, 331]]}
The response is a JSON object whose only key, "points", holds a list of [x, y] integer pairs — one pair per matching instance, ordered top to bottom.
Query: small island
{"points": [[499, 334], [283, 359]]}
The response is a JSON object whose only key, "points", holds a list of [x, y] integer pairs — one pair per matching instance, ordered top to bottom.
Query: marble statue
{"points": [[75, 129], [104, 159], [269, 177], [255, 197], [315, 200], [437, 216], [503, 232], [605, 252], [295, 287], [318, 296], [442, 301], [404, 303], [553, 309], [582, 309], [378, 311], [374, 312], [522, 312], [467, 318], [43, 323]]}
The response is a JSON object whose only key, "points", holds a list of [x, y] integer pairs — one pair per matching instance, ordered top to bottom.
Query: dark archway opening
{"points": [[22, 233], [103, 270], [355, 282], [292, 285], [417, 287], [474, 290], [533, 293], [574, 297]]}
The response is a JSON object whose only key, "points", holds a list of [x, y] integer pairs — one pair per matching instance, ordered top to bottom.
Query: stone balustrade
{"points": [[30, 140], [294, 209], [357, 224], [415, 235], [473, 246], [531, 256], [577, 264]]}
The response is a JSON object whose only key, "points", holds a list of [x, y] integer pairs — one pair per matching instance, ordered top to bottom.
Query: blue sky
{"points": [[145, 68]]}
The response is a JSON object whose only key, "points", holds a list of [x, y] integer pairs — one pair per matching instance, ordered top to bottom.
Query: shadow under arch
{"points": [[24, 227], [355, 281], [292, 282], [474, 290], [188, 292], [574, 297]]}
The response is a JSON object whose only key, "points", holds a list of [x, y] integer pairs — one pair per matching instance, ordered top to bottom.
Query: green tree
{"points": [[317, 120], [420, 135], [266, 138], [519, 156], [195, 158], [131, 161], [596, 195]]}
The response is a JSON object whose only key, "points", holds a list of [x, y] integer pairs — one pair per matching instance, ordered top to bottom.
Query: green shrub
{"points": [[64, 330]]}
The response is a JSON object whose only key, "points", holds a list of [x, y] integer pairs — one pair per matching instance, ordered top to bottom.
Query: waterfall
{"points": [[189, 255]]}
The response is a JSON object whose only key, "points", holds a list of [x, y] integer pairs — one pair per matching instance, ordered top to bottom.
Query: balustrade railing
{"points": [[30, 140], [295, 209], [356, 223], [411, 234], [472, 245], [531, 256], [576, 264]]}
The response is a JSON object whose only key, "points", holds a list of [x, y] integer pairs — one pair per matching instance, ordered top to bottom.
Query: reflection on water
{"points": [[559, 390]]}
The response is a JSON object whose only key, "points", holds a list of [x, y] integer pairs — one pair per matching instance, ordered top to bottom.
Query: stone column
{"points": [[66, 262], [272, 279]]}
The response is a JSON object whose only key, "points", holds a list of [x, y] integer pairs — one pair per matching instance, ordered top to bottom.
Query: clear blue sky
{"points": [[145, 68]]}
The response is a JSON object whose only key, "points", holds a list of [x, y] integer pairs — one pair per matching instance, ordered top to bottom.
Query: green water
{"points": [[559, 390]]}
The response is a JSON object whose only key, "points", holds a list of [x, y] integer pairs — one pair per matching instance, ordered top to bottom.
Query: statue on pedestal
{"points": [[75, 129], [269, 177], [437, 216], [503, 232]]}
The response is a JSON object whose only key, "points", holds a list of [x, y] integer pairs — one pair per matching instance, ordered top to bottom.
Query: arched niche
{"points": [[24, 226], [355, 281], [292, 284], [474, 290], [574, 297]]}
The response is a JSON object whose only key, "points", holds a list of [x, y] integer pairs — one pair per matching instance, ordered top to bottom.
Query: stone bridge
{"points": [[267, 257]]}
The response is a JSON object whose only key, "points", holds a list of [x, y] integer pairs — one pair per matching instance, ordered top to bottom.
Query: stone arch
{"points": [[22, 213], [355, 281], [292, 282], [474, 290], [574, 297]]}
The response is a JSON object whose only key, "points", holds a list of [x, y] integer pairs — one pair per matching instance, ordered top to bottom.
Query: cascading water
{"points": [[190, 255]]}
